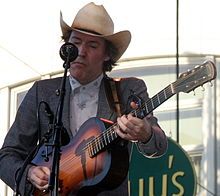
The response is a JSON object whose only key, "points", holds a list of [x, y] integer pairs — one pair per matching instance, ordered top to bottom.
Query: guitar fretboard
{"points": [[151, 104], [109, 135]]}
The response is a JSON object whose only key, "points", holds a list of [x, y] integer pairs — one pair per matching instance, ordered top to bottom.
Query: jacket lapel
{"points": [[104, 109], [65, 114]]}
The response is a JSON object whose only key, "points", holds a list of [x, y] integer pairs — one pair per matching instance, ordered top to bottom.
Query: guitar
{"points": [[90, 163]]}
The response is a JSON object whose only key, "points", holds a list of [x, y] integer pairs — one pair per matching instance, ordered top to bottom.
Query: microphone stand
{"points": [[58, 127]]}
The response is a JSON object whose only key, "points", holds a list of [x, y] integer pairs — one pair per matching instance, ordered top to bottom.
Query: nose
{"points": [[82, 50]]}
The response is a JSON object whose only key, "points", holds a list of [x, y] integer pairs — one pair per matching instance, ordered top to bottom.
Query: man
{"points": [[99, 48]]}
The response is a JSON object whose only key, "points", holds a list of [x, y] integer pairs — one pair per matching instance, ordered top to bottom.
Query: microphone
{"points": [[68, 51]]}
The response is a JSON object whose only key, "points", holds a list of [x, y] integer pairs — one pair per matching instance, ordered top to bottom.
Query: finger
{"points": [[133, 105], [134, 122], [124, 124], [120, 126], [124, 130], [126, 136], [46, 170], [42, 172], [39, 176], [42, 188]]}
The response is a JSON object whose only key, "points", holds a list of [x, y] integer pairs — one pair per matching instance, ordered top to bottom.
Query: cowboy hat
{"points": [[94, 20]]}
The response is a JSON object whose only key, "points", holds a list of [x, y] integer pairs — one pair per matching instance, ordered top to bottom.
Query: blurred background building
{"points": [[29, 51]]}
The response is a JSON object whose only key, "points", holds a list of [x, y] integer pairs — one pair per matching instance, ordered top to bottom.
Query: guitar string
{"points": [[109, 135], [101, 139], [94, 143], [77, 157], [74, 160]]}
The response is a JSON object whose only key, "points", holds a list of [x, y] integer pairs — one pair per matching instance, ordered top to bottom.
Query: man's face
{"points": [[92, 53]]}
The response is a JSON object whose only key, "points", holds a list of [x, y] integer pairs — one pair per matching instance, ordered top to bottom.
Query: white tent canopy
{"points": [[30, 31]]}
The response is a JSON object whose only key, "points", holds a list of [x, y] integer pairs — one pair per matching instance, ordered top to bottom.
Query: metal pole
{"points": [[177, 69]]}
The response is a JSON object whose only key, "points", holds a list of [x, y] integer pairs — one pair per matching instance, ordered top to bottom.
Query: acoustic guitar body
{"points": [[86, 168]]}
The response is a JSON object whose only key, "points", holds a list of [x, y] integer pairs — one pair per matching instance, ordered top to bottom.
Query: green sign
{"points": [[172, 174]]}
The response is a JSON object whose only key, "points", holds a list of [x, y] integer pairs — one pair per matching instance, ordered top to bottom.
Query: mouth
{"points": [[78, 64]]}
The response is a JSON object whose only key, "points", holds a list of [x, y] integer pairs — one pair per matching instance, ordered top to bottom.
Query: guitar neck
{"points": [[152, 103], [110, 135]]}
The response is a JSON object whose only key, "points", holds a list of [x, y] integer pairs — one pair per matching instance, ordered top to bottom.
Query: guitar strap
{"points": [[112, 86]]}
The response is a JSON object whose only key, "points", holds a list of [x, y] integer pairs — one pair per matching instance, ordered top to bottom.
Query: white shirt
{"points": [[83, 102]]}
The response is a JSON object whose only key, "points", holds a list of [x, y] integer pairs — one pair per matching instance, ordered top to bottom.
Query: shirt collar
{"points": [[92, 85]]}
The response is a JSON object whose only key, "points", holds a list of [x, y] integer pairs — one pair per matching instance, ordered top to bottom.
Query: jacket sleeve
{"points": [[19, 142], [157, 144]]}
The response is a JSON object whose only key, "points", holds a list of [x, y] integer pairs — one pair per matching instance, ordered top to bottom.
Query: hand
{"points": [[134, 129], [39, 176]]}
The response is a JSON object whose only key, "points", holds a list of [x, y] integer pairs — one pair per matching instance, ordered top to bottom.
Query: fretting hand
{"points": [[133, 128]]}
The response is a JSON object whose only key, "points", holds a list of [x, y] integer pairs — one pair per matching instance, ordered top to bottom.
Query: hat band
{"points": [[88, 31]]}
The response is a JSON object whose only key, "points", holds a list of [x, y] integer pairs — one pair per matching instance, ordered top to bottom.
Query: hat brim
{"points": [[120, 40]]}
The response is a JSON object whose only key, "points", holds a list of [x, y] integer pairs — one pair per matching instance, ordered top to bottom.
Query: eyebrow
{"points": [[74, 37], [90, 41]]}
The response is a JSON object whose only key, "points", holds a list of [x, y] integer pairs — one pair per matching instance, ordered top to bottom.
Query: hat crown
{"points": [[94, 18]]}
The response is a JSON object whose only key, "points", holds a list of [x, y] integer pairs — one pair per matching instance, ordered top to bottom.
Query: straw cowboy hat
{"points": [[94, 20]]}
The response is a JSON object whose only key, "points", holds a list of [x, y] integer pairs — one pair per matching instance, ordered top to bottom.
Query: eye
{"points": [[76, 42], [93, 45]]}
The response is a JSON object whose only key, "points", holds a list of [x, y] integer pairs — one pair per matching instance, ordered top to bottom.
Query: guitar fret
{"points": [[165, 94], [161, 96], [158, 98], [155, 101], [152, 103], [149, 107], [146, 108], [116, 135], [112, 136], [108, 139], [105, 141], [102, 142], [99, 145], [95, 148], [89, 150], [92, 150]]}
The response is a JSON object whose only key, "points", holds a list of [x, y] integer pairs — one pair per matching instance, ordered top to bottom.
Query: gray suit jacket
{"points": [[24, 133]]}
